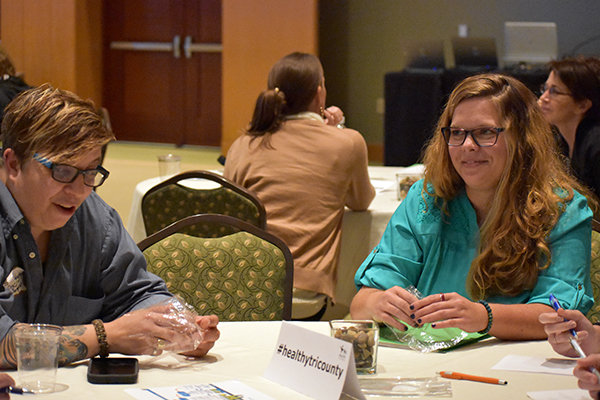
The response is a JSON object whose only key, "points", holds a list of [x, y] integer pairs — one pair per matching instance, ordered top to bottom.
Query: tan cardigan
{"points": [[305, 179]]}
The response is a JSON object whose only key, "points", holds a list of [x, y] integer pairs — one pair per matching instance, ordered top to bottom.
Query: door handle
{"points": [[174, 46], [190, 47]]}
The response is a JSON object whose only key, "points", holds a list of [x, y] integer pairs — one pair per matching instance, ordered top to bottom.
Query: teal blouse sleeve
{"points": [[434, 253], [398, 259], [568, 276]]}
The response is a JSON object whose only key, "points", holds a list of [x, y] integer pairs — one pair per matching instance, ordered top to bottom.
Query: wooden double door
{"points": [[162, 70]]}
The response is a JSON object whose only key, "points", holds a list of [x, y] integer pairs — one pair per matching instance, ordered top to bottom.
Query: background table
{"points": [[361, 230], [245, 350]]}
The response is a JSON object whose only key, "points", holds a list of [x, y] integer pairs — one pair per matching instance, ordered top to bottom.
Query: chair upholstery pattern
{"points": [[170, 201], [238, 277], [594, 314]]}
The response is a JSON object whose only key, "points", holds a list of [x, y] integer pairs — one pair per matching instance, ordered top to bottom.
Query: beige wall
{"points": [[255, 35], [362, 40], [57, 42]]}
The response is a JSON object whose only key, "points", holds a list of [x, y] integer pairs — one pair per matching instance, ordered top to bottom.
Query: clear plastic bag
{"points": [[179, 317], [427, 339], [406, 387]]}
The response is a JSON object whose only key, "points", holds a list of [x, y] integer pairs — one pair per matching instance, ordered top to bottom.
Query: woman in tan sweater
{"points": [[305, 169]]}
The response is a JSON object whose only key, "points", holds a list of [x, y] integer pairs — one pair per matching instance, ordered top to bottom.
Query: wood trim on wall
{"points": [[255, 35], [57, 42], [60, 42], [375, 151]]}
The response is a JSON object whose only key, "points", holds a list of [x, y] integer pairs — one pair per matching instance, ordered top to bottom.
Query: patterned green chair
{"points": [[173, 199], [244, 276], [594, 314]]}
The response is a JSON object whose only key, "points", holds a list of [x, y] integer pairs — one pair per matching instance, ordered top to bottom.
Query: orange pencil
{"points": [[458, 375]]}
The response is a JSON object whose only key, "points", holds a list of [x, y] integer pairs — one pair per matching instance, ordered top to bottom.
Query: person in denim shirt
{"points": [[65, 257]]}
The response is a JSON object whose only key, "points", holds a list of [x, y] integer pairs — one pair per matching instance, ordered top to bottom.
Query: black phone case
{"points": [[113, 370]]}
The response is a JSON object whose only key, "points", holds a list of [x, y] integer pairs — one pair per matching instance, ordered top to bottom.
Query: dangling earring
{"points": [[322, 112]]}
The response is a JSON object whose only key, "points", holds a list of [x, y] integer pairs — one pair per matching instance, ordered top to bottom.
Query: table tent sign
{"points": [[314, 364]]}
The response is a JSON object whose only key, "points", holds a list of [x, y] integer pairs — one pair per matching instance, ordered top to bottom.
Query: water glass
{"points": [[37, 356]]}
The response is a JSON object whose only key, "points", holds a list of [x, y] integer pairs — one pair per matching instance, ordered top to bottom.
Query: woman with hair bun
{"points": [[305, 166]]}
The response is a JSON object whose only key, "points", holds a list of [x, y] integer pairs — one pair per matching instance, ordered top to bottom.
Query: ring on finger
{"points": [[442, 297], [160, 344]]}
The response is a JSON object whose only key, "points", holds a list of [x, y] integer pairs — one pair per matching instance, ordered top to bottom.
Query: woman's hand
{"points": [[333, 116], [387, 306], [449, 310], [558, 331], [210, 332], [586, 379]]}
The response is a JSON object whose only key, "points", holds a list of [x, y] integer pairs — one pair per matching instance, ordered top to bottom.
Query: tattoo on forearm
{"points": [[70, 347], [9, 351]]}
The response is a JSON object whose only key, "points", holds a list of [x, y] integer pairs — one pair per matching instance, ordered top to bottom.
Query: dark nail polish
{"points": [[412, 307], [412, 316], [419, 320], [416, 325], [433, 325], [405, 328]]}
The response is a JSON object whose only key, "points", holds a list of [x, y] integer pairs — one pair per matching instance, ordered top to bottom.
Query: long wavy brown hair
{"points": [[531, 195]]}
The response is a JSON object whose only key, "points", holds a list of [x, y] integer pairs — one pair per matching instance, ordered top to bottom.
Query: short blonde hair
{"points": [[54, 123]]}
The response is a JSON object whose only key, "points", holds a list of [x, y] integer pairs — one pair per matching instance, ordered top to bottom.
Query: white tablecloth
{"points": [[361, 231], [245, 350]]}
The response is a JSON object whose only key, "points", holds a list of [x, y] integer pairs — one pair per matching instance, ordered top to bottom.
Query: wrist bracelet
{"points": [[490, 317], [101, 334]]}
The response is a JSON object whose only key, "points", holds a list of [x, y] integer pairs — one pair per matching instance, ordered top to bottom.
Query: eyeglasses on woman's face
{"points": [[553, 92], [483, 137], [64, 173]]}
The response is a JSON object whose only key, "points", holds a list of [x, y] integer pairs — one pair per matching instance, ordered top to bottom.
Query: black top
{"points": [[10, 87], [585, 162]]}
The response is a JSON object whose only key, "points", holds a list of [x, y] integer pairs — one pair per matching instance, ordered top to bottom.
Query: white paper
{"points": [[381, 185], [316, 365], [558, 366], [198, 392], [571, 394]]}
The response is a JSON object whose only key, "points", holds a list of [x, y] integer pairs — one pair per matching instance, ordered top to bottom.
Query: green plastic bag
{"points": [[426, 338]]}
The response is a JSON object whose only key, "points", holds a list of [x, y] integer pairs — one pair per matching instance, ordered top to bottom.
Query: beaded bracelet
{"points": [[490, 317], [102, 340]]}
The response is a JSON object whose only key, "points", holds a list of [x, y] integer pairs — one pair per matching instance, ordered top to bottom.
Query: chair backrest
{"points": [[172, 200], [245, 276], [594, 314]]}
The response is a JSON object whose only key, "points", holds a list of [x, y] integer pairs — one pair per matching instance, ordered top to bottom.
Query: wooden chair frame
{"points": [[198, 174], [242, 226]]}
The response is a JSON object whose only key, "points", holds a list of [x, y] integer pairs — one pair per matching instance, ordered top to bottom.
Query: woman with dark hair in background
{"points": [[10, 84], [570, 100], [305, 169]]}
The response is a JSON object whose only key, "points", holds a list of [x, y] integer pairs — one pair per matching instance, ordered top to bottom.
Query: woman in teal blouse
{"points": [[496, 225]]}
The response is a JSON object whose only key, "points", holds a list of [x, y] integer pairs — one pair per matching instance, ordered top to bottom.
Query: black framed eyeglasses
{"points": [[552, 91], [483, 137], [64, 173]]}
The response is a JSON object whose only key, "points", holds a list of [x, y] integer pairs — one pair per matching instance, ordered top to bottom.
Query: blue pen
{"points": [[556, 306], [572, 340]]}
